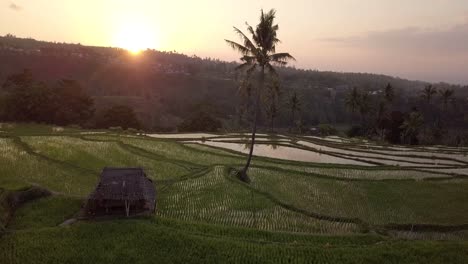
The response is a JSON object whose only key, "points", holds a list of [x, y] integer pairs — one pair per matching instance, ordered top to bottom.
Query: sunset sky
{"points": [[416, 39]]}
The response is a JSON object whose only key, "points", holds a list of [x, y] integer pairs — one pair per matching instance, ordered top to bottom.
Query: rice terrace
{"points": [[360, 208]]}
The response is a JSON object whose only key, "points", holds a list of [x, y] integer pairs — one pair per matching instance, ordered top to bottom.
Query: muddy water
{"points": [[285, 153]]}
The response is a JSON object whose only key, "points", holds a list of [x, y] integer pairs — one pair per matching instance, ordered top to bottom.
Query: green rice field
{"points": [[310, 200]]}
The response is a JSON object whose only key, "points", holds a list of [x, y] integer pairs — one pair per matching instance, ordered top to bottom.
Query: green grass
{"points": [[97, 155], [19, 169], [214, 199], [377, 202], [45, 212], [143, 241]]}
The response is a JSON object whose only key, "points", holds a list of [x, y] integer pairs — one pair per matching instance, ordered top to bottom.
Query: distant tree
{"points": [[260, 52], [389, 93], [428, 93], [445, 95], [353, 99], [27, 100], [271, 103], [73, 105], [294, 105], [364, 105], [245, 107], [381, 115], [119, 116], [200, 121], [393, 126], [411, 126]]}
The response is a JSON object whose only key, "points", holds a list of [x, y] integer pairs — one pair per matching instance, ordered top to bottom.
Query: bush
{"points": [[119, 116], [200, 121], [116, 129], [132, 130], [327, 130], [355, 131]]}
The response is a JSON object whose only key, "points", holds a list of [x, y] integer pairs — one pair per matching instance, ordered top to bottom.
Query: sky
{"points": [[414, 39]]}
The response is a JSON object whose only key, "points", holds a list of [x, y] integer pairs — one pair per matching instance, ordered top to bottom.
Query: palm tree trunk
{"points": [[244, 176]]}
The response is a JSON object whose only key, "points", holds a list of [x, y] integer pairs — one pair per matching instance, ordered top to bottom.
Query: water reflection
{"points": [[274, 150]]}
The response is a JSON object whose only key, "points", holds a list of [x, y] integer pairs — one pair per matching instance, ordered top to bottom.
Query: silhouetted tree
{"points": [[259, 52], [389, 93], [428, 93], [445, 95], [353, 99], [27, 100], [271, 103], [73, 105], [364, 105], [295, 106], [119, 116], [200, 121], [393, 126], [411, 126]]}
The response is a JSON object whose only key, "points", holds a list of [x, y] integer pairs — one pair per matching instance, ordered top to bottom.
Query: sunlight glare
{"points": [[135, 37]]}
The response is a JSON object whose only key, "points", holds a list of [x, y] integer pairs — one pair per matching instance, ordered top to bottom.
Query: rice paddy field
{"points": [[310, 199]]}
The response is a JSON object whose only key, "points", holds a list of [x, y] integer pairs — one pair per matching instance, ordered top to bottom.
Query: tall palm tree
{"points": [[259, 52], [428, 93], [446, 94], [353, 99], [295, 106], [412, 125]]}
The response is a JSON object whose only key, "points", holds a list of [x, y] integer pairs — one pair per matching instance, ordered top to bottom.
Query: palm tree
{"points": [[259, 52], [428, 92], [445, 94], [353, 99], [295, 106], [412, 125]]}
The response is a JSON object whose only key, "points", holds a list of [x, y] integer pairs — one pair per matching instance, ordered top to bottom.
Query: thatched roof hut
{"points": [[122, 191]]}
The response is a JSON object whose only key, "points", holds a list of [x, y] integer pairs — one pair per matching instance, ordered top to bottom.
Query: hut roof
{"points": [[124, 184]]}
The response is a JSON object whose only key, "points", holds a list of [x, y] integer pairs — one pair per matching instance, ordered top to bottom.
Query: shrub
{"points": [[200, 121], [116, 129], [132, 130], [327, 130], [355, 131]]}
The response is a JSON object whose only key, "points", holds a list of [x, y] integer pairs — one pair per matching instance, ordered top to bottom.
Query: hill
{"points": [[165, 87]]}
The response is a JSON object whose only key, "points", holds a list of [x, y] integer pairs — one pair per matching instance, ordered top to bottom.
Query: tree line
{"points": [[24, 99]]}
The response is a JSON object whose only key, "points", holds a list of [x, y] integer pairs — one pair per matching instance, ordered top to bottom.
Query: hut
{"points": [[122, 191]]}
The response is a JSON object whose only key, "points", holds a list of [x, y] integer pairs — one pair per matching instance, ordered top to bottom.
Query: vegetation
{"points": [[119, 116], [362, 214]]}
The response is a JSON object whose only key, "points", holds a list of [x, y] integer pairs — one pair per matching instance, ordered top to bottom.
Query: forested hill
{"points": [[165, 87]]}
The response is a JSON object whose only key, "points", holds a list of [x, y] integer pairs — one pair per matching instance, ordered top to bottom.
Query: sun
{"points": [[135, 37]]}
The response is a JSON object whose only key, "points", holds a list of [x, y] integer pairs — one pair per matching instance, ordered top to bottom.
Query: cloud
{"points": [[15, 7], [412, 41], [436, 54]]}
